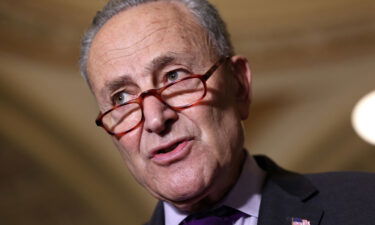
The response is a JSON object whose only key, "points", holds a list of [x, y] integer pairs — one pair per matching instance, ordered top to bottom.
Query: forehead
{"points": [[136, 36]]}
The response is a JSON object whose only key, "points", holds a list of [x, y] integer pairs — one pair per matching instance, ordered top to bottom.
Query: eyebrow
{"points": [[161, 61], [156, 64], [111, 86]]}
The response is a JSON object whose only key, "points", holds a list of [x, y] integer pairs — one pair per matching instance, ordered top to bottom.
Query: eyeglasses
{"points": [[177, 95]]}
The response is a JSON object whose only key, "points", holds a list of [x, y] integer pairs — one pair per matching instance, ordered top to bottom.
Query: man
{"points": [[172, 94]]}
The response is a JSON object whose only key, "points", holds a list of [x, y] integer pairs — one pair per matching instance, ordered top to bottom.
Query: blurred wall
{"points": [[311, 62]]}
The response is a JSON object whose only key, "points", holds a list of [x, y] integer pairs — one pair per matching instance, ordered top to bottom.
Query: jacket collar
{"points": [[285, 196], [157, 217]]}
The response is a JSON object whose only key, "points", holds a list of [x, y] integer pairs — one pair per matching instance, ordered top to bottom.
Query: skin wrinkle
{"points": [[177, 5], [152, 24], [192, 24], [131, 45], [134, 45], [127, 55], [160, 63], [157, 64], [216, 115], [208, 169]]}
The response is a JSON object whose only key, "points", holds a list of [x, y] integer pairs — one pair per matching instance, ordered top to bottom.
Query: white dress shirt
{"points": [[245, 196]]}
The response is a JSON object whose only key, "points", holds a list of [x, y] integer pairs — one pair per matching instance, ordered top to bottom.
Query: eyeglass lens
{"points": [[180, 94]]}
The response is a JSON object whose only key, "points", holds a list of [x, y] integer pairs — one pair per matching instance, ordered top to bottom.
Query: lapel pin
{"points": [[299, 221]]}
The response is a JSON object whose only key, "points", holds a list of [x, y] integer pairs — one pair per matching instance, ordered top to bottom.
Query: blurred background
{"points": [[311, 62]]}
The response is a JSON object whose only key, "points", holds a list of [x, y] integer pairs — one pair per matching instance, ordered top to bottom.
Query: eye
{"points": [[176, 75], [120, 98]]}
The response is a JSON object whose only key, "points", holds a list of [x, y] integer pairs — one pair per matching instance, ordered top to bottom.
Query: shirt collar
{"points": [[246, 193], [244, 196]]}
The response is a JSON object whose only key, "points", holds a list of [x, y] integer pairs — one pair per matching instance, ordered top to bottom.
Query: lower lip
{"points": [[178, 153]]}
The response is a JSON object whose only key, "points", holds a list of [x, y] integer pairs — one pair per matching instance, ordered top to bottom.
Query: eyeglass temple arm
{"points": [[215, 66]]}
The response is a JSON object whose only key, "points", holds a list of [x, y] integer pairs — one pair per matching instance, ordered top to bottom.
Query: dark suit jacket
{"points": [[341, 198]]}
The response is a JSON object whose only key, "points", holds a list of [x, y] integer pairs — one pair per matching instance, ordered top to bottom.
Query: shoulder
{"points": [[346, 179], [351, 183], [341, 192], [331, 198]]}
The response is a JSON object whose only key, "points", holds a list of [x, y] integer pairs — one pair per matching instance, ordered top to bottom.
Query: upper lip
{"points": [[167, 145]]}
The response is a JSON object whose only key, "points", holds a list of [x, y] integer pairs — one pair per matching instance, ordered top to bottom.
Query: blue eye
{"points": [[176, 75], [172, 76], [120, 98]]}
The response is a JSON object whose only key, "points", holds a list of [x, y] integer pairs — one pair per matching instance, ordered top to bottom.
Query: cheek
{"points": [[220, 130], [129, 143], [128, 147]]}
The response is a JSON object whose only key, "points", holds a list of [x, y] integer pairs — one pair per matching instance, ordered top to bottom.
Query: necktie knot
{"points": [[223, 215]]}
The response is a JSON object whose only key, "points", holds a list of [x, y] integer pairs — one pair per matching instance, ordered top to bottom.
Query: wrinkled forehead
{"points": [[135, 25], [140, 34]]}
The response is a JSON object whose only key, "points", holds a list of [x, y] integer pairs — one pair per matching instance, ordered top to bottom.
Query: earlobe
{"points": [[242, 75]]}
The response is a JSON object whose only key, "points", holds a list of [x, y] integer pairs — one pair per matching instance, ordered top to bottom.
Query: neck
{"points": [[213, 197]]}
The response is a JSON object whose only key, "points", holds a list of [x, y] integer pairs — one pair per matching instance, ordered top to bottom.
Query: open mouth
{"points": [[169, 149], [173, 152]]}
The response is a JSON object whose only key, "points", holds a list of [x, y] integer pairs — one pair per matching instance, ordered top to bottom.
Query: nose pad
{"points": [[159, 117]]}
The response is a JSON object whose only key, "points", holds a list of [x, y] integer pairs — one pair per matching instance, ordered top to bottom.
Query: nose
{"points": [[158, 116]]}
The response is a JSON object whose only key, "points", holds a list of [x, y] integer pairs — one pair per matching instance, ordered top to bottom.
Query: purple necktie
{"points": [[223, 215]]}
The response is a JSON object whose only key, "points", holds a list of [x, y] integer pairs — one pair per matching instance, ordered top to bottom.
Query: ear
{"points": [[242, 75]]}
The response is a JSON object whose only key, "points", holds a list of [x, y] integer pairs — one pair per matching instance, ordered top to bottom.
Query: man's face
{"points": [[184, 157]]}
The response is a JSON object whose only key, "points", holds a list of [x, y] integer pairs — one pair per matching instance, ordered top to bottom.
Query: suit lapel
{"points": [[285, 196], [158, 215]]}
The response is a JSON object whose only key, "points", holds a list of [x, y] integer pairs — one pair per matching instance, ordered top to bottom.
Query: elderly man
{"points": [[173, 94]]}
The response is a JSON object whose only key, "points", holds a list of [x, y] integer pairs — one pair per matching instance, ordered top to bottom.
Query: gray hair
{"points": [[207, 16]]}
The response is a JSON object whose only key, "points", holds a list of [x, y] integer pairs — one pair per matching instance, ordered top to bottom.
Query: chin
{"points": [[185, 192], [189, 196], [194, 203]]}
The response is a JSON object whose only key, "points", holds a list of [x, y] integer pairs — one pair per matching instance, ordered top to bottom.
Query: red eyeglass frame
{"points": [[157, 93]]}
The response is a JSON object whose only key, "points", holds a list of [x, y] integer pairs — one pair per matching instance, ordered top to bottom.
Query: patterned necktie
{"points": [[223, 215]]}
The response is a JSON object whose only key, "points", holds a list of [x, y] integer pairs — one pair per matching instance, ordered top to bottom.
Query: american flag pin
{"points": [[299, 221]]}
